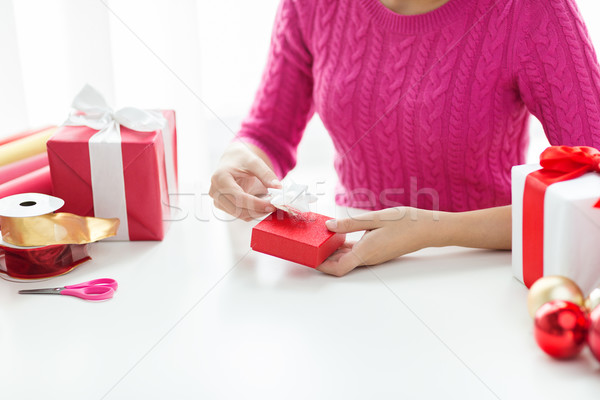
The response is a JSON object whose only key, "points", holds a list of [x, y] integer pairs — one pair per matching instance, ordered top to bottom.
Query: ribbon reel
{"points": [[38, 243]]}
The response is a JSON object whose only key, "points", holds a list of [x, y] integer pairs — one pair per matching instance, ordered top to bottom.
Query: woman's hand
{"points": [[243, 173], [393, 232], [390, 233]]}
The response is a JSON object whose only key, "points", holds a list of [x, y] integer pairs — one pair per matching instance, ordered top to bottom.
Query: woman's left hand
{"points": [[390, 233]]}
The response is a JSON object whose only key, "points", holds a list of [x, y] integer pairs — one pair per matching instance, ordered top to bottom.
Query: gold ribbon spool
{"points": [[21, 227]]}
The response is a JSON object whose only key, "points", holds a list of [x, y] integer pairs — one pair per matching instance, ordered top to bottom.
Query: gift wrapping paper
{"points": [[22, 135], [25, 147], [22, 167], [37, 181]]}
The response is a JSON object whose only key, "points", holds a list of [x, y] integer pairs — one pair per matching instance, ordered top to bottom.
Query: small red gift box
{"points": [[119, 164], [303, 239]]}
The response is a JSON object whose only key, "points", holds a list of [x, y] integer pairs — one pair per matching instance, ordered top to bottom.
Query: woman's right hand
{"points": [[243, 174]]}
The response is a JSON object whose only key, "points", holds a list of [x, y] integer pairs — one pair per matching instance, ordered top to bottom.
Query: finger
{"points": [[261, 170], [229, 188], [247, 201], [225, 202], [225, 205], [242, 213], [361, 222], [347, 245], [345, 248], [373, 248], [340, 267]]}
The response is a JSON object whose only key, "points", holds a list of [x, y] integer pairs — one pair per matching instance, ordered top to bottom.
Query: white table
{"points": [[199, 316]]}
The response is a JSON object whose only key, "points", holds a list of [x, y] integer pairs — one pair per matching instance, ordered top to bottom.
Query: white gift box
{"points": [[571, 230]]}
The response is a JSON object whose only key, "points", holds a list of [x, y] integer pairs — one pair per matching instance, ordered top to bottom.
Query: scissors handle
{"points": [[106, 282], [94, 292]]}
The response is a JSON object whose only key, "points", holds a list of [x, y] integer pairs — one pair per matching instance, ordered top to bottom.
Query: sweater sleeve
{"points": [[557, 71], [283, 102]]}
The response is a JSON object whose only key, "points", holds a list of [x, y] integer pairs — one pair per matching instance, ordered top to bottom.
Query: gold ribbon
{"points": [[56, 228]]}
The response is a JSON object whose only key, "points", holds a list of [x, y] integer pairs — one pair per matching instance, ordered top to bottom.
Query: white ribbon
{"points": [[106, 159], [291, 198]]}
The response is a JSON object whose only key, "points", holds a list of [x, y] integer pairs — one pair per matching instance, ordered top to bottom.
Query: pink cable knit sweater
{"points": [[428, 110]]}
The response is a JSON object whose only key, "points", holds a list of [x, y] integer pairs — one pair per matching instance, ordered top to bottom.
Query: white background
{"points": [[202, 58], [188, 321]]}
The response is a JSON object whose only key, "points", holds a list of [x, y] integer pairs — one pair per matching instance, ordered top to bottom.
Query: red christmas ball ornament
{"points": [[561, 328], [594, 332]]}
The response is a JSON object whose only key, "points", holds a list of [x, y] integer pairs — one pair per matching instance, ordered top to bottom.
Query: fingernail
{"points": [[275, 182], [269, 208], [331, 223]]}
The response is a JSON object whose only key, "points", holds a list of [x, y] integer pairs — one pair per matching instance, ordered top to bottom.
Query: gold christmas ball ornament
{"points": [[551, 288], [593, 300]]}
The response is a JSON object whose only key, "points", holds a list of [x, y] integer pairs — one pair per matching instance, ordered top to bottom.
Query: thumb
{"points": [[261, 170], [361, 223]]}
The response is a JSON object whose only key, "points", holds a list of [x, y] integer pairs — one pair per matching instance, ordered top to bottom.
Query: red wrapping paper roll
{"points": [[22, 135], [22, 167], [38, 181], [41, 262]]}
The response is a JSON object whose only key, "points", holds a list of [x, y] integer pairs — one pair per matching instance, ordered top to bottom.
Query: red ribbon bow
{"points": [[570, 162], [559, 163]]}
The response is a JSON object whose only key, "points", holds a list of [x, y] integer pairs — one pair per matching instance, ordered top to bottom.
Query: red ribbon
{"points": [[559, 163], [41, 262]]}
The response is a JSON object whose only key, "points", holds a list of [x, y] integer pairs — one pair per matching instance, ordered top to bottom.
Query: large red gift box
{"points": [[136, 182], [556, 217], [303, 239]]}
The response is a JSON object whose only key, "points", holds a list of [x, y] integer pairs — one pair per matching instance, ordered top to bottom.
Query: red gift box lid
{"points": [[303, 239]]}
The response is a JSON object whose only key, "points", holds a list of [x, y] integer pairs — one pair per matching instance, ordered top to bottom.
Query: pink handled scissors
{"points": [[97, 289]]}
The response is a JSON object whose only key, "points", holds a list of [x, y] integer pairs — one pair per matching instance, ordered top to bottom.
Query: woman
{"points": [[427, 103]]}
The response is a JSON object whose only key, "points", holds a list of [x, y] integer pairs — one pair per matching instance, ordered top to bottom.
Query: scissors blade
{"points": [[42, 291]]}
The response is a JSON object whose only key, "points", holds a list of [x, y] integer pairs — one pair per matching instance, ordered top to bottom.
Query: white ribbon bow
{"points": [[106, 159], [292, 198]]}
